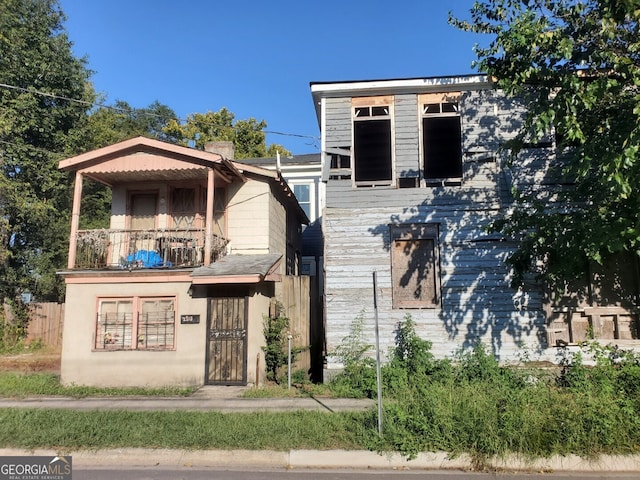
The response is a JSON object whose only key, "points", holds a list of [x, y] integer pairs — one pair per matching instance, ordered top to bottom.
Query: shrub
{"points": [[276, 354], [358, 378]]}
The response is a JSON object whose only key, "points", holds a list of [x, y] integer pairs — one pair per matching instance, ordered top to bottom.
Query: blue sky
{"points": [[258, 58]]}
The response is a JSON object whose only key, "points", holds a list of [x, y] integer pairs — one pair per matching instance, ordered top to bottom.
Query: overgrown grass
{"points": [[22, 385], [472, 404], [64, 429]]}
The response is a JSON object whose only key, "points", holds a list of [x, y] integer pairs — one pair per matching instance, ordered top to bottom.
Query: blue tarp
{"points": [[147, 258]]}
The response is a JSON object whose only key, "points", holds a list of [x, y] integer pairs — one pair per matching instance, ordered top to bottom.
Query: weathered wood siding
{"points": [[338, 122], [407, 135], [295, 295], [477, 302]]}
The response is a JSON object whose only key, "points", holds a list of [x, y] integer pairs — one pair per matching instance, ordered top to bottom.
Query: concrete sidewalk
{"points": [[208, 398]]}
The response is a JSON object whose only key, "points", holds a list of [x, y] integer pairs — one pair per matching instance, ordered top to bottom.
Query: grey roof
{"points": [[304, 159], [232, 265]]}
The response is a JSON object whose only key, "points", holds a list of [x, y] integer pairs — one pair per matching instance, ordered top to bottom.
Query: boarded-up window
{"points": [[415, 272]]}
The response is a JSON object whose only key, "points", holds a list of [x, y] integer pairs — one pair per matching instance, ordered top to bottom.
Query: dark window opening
{"points": [[372, 145], [442, 146], [340, 161], [408, 182]]}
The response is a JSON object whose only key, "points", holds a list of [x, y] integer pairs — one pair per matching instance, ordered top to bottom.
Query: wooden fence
{"points": [[300, 302], [45, 323]]}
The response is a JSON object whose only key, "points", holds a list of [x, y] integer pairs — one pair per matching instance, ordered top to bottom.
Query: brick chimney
{"points": [[224, 148]]}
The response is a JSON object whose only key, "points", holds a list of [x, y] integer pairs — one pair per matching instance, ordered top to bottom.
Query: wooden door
{"points": [[227, 341]]}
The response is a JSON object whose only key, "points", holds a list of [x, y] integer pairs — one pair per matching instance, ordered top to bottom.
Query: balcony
{"points": [[135, 249]]}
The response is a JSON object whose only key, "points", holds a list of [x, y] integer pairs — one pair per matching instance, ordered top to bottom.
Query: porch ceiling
{"points": [[117, 177]]}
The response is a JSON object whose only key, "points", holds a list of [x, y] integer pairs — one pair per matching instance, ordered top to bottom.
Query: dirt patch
{"points": [[32, 362]]}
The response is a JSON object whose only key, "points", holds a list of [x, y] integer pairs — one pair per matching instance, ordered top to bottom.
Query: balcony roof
{"points": [[140, 159], [239, 269]]}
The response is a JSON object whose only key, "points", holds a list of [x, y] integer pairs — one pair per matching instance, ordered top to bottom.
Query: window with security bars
{"points": [[136, 323], [115, 324], [156, 325]]}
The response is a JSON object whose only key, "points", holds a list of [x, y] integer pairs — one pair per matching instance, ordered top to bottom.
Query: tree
{"points": [[576, 66], [38, 73], [105, 126], [247, 135]]}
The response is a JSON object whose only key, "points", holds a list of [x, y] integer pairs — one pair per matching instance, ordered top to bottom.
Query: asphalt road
{"points": [[88, 473]]}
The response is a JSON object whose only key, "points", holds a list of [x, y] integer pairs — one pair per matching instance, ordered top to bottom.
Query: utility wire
{"points": [[136, 111]]}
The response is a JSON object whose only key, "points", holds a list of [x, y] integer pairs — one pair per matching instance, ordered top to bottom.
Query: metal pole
{"points": [[289, 337], [378, 370]]}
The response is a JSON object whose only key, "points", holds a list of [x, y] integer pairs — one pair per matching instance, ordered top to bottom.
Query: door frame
{"points": [[245, 333]]}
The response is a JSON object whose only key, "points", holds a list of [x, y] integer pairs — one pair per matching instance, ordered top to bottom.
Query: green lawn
{"points": [[23, 385], [65, 429]]}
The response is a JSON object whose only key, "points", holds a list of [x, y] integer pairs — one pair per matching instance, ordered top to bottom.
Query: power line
{"points": [[137, 111]]}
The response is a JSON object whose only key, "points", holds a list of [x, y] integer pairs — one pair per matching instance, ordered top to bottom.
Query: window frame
{"points": [[441, 99], [380, 109], [312, 196], [132, 217], [414, 233], [107, 340]]}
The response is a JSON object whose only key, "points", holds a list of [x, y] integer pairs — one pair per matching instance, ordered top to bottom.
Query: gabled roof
{"points": [[143, 158]]}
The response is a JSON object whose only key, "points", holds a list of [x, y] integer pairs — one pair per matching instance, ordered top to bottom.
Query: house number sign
{"points": [[189, 319]]}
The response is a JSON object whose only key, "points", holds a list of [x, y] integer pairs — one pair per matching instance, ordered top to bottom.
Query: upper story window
{"points": [[441, 135], [372, 140], [304, 194], [183, 208], [143, 209]]}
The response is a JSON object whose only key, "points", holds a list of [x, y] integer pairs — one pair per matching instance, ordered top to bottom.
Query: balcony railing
{"points": [[167, 248]]}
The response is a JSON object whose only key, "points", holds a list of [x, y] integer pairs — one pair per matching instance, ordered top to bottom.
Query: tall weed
{"points": [[472, 404]]}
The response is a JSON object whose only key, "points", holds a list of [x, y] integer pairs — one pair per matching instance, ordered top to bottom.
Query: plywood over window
{"points": [[415, 271]]}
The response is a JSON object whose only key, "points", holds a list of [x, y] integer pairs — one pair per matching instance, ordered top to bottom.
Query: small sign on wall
{"points": [[189, 319]]}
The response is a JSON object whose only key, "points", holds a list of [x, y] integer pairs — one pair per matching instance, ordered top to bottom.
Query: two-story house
{"points": [[413, 175], [175, 291]]}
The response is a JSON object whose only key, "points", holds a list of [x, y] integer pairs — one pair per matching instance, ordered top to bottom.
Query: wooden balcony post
{"points": [[209, 216], [75, 220]]}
